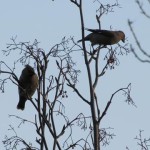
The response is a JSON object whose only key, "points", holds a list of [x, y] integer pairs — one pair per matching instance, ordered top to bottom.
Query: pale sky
{"points": [[49, 22]]}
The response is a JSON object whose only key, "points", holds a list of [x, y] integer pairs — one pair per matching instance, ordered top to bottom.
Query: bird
{"points": [[104, 37], [28, 83]]}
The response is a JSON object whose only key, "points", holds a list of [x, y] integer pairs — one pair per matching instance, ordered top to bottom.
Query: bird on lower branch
{"points": [[28, 83]]}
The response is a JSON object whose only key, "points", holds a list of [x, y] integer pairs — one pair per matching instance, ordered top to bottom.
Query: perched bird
{"points": [[104, 37], [28, 83]]}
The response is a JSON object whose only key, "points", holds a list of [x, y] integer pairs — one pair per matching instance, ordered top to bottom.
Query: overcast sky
{"points": [[49, 22]]}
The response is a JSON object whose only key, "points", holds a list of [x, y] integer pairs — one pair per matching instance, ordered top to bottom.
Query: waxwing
{"points": [[104, 37], [28, 83]]}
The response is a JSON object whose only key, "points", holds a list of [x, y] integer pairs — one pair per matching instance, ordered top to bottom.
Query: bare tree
{"points": [[53, 87]]}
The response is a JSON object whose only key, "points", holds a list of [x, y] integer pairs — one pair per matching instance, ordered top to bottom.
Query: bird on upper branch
{"points": [[104, 37], [28, 83]]}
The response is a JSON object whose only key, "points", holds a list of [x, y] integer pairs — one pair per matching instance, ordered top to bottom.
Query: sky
{"points": [[49, 22]]}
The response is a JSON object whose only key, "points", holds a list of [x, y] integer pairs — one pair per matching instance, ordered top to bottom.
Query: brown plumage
{"points": [[104, 37], [28, 83]]}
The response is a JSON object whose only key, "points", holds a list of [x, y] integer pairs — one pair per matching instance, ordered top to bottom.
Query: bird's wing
{"points": [[93, 30], [103, 32]]}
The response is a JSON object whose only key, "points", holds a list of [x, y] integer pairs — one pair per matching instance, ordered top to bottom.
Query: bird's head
{"points": [[122, 36], [29, 70]]}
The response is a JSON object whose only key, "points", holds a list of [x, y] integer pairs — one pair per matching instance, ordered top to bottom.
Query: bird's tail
{"points": [[87, 38], [79, 41], [21, 104]]}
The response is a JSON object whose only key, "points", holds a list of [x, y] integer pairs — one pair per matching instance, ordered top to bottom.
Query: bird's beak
{"points": [[123, 40]]}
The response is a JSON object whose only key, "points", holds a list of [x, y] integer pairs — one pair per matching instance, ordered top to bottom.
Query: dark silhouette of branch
{"points": [[140, 5], [139, 46], [140, 59], [126, 92], [94, 119]]}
